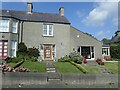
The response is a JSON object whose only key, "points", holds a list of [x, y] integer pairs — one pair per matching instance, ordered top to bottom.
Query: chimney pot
{"points": [[30, 7], [61, 11]]}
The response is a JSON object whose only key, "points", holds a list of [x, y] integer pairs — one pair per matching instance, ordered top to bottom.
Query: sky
{"points": [[100, 19]]}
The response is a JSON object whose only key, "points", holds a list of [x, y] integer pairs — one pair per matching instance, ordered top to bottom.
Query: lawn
{"points": [[11, 64], [32, 66], [112, 66], [66, 67], [91, 70]]}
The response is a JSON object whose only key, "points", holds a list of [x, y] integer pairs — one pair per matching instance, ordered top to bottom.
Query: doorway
{"points": [[47, 51]]}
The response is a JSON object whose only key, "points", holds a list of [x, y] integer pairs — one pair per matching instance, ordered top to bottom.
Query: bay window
{"points": [[4, 25], [14, 26], [13, 48]]}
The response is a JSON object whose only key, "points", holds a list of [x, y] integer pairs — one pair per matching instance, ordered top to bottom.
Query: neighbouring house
{"points": [[51, 33], [106, 45]]}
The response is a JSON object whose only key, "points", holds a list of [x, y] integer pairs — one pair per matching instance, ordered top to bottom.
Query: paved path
{"points": [[102, 69], [52, 75]]}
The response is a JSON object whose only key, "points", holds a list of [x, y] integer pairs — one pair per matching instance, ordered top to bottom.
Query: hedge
{"points": [[18, 64], [82, 69]]}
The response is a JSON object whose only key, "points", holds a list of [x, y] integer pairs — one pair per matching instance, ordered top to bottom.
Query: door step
{"points": [[50, 70]]}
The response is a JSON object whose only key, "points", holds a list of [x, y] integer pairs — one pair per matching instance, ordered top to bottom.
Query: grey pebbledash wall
{"points": [[33, 37], [64, 37], [84, 40]]}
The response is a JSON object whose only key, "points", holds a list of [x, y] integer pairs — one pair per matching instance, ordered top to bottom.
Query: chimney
{"points": [[29, 7], [61, 11]]}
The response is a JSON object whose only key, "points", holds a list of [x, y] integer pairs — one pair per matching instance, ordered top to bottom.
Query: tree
{"points": [[104, 40], [115, 51]]}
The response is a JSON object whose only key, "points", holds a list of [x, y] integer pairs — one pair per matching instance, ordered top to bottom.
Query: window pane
{"points": [[4, 25], [14, 27], [50, 29], [45, 30], [13, 48]]}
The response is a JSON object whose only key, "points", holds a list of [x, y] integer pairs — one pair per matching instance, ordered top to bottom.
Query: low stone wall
{"points": [[27, 78], [30, 78], [90, 79]]}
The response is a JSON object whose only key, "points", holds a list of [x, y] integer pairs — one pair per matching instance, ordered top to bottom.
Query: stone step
{"points": [[49, 69], [53, 76]]}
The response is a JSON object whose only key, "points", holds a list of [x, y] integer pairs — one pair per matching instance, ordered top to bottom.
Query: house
{"points": [[51, 33], [106, 45]]}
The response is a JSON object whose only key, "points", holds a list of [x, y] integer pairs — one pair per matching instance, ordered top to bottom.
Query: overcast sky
{"points": [[97, 18]]}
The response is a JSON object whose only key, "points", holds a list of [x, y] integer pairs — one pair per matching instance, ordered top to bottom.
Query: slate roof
{"points": [[35, 16], [105, 45]]}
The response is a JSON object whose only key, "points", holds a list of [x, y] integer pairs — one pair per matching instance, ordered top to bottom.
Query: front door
{"points": [[3, 48], [47, 51], [85, 51]]}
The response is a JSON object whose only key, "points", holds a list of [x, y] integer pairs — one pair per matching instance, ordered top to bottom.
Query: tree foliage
{"points": [[115, 51]]}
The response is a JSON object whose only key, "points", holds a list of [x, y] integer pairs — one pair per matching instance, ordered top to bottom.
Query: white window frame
{"points": [[1, 26], [16, 26], [48, 30], [15, 48], [107, 49]]}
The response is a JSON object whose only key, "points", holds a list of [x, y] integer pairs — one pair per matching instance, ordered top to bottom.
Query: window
{"points": [[4, 25], [14, 26], [48, 30], [13, 48], [42, 51], [53, 51], [105, 51]]}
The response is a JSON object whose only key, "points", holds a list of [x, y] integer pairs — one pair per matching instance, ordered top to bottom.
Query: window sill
{"points": [[47, 36]]}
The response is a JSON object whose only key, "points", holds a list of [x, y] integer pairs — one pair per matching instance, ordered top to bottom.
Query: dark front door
{"points": [[85, 51]]}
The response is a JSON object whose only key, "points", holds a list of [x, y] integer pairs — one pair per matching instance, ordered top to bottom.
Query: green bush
{"points": [[22, 47], [115, 51], [33, 52], [74, 56], [8, 59], [33, 59], [64, 59], [13, 60]]}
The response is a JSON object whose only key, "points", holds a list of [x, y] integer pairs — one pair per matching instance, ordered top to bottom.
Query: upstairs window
{"points": [[4, 25], [14, 26], [47, 30]]}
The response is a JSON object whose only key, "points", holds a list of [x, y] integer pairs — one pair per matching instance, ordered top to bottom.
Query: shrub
{"points": [[22, 47], [115, 51], [33, 52], [74, 56], [8, 59], [33, 59], [64, 59], [99, 61]]}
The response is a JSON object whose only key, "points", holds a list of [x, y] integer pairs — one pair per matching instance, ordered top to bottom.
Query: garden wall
{"points": [[27, 78], [30, 78], [90, 79]]}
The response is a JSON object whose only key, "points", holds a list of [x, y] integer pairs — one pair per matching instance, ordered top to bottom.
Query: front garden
{"points": [[26, 61]]}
